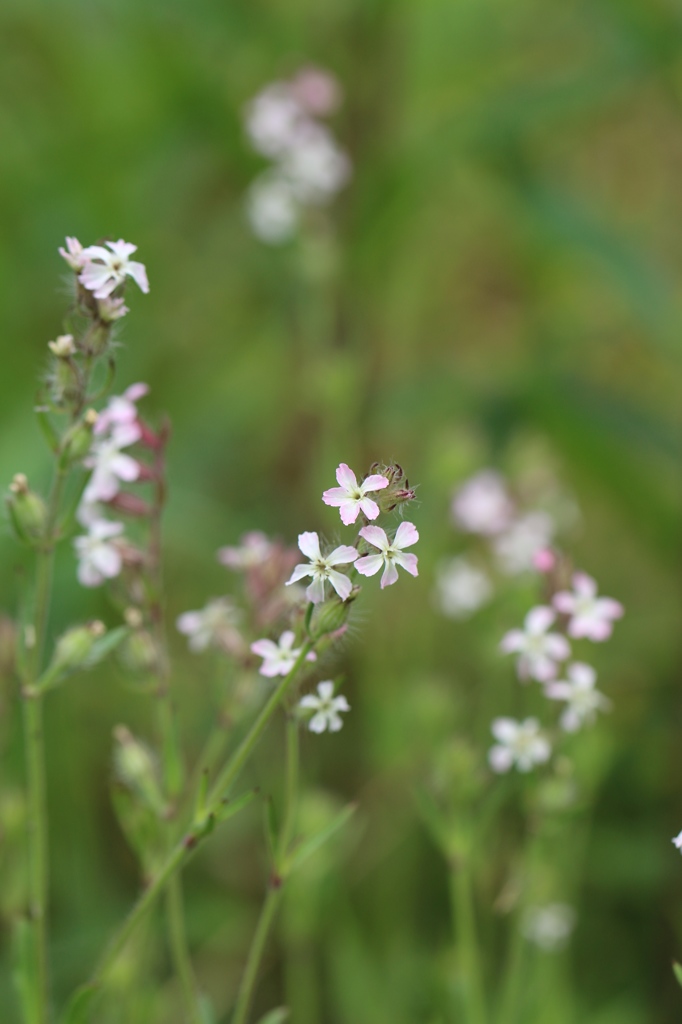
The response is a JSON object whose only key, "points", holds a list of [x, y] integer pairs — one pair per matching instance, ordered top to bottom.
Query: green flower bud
{"points": [[79, 439], [27, 510], [331, 616], [75, 646], [138, 652], [137, 768]]}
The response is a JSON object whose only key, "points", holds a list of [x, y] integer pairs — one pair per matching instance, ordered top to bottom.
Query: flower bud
{"points": [[63, 346], [64, 381], [79, 439], [398, 491], [27, 510], [331, 616], [74, 647], [138, 652], [137, 768]]}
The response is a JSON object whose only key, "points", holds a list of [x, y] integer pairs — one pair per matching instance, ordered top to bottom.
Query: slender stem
{"points": [[233, 767], [274, 894], [462, 901], [180, 949]]}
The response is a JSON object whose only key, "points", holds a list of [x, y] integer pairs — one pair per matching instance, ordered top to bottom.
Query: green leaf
{"points": [[103, 646], [228, 808], [309, 846], [677, 971], [77, 1011], [275, 1016]]}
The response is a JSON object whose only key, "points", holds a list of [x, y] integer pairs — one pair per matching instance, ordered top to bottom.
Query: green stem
{"points": [[275, 889], [462, 901], [180, 950]]}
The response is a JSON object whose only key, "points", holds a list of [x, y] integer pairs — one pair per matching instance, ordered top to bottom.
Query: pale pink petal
{"points": [[122, 249], [95, 252], [138, 273], [136, 391], [125, 467], [346, 477], [376, 482], [335, 496], [369, 507], [348, 510], [376, 536], [406, 536], [309, 543], [342, 555], [107, 560], [408, 562], [369, 565], [299, 572], [88, 575], [390, 575], [341, 584], [584, 585], [315, 591], [564, 602], [609, 608], [539, 619], [188, 622], [286, 641], [513, 641], [557, 646], [265, 648], [542, 668], [270, 669], [325, 689], [559, 691], [309, 701], [505, 729], [500, 759]]}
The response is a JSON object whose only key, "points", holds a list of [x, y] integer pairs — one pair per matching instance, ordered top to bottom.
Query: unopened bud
{"points": [[63, 347], [79, 439], [398, 491], [27, 511], [331, 616], [133, 617], [74, 647], [138, 652], [136, 767]]}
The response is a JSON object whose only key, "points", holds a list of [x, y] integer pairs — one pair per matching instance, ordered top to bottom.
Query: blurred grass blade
{"points": [[310, 846], [677, 971], [79, 1005], [277, 1016]]}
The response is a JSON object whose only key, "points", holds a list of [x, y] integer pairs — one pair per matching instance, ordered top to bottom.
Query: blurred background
{"points": [[499, 285]]}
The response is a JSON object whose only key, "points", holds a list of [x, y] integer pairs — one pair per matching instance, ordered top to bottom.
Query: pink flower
{"points": [[73, 254], [105, 270], [122, 411], [110, 466], [350, 498], [482, 505], [255, 549], [390, 552], [321, 568], [591, 616], [538, 650], [279, 658]]}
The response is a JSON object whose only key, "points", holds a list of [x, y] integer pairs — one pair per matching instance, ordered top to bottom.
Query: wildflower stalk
{"points": [[277, 879], [463, 910]]}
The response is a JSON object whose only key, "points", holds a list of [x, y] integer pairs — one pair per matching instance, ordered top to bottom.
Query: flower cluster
{"points": [[308, 167], [102, 271], [512, 537], [318, 612], [543, 649]]}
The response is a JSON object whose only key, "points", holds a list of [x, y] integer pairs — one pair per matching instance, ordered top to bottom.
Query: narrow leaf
{"points": [[309, 846], [677, 971], [77, 1011], [277, 1016]]}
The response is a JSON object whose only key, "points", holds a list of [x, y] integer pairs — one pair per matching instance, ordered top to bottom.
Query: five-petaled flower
{"points": [[73, 254], [103, 270], [121, 411], [110, 465], [351, 497], [391, 552], [99, 559], [321, 568], [591, 616], [212, 626], [538, 650], [279, 658], [582, 699], [326, 707], [519, 744]]}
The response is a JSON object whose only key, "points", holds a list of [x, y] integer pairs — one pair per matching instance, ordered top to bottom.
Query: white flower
{"points": [[316, 90], [273, 119], [315, 167], [272, 209], [73, 254], [105, 269], [111, 309], [63, 346], [121, 411], [110, 465], [351, 498], [482, 504], [517, 546], [255, 549], [390, 554], [98, 558], [321, 568], [461, 588], [591, 616], [214, 625], [538, 650], [279, 658], [582, 700], [326, 707], [520, 744], [677, 841], [549, 927]]}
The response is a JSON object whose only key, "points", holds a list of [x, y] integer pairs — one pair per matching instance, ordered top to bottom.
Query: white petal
{"points": [[309, 543]]}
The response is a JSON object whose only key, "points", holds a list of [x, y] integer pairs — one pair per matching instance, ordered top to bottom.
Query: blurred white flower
{"points": [[317, 91], [273, 118], [316, 167], [272, 208], [73, 254], [121, 410], [110, 465], [482, 504], [517, 546], [255, 549], [99, 559], [461, 588], [591, 616], [212, 626], [538, 650], [582, 699], [326, 707], [520, 744], [677, 841], [549, 927]]}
